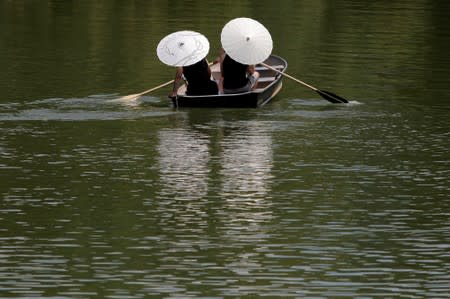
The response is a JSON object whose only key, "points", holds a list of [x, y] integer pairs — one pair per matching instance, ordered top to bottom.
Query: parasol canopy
{"points": [[247, 41], [183, 48]]}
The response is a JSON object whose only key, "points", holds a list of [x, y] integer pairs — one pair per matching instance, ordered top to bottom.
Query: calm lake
{"points": [[300, 198]]}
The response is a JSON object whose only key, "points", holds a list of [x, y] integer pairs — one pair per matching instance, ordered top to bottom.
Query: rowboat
{"points": [[269, 84]]}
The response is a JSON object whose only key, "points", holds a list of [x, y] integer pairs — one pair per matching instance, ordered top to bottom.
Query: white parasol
{"points": [[247, 41], [183, 48]]}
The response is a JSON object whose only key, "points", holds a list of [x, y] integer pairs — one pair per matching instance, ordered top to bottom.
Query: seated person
{"points": [[236, 77], [198, 79]]}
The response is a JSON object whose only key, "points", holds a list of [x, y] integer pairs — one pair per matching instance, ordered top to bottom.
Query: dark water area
{"points": [[299, 198]]}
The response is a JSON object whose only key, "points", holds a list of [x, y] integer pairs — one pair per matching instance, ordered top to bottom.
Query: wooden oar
{"points": [[136, 95], [329, 96]]}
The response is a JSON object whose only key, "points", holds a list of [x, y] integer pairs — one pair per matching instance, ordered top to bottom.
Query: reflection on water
{"points": [[246, 162], [183, 163], [246, 165], [241, 205]]}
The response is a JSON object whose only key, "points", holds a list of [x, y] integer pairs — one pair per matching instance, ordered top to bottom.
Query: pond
{"points": [[299, 198]]}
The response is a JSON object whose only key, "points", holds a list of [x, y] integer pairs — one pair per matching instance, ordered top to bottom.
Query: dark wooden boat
{"points": [[269, 84]]}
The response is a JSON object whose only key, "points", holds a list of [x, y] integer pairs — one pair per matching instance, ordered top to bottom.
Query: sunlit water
{"points": [[300, 198]]}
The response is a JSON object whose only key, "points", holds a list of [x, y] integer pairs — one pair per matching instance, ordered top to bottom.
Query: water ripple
{"points": [[80, 109]]}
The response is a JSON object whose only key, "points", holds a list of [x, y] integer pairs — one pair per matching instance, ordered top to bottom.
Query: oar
{"points": [[136, 95], [329, 96]]}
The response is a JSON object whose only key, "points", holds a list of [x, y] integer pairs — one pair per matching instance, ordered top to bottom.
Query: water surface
{"points": [[300, 198]]}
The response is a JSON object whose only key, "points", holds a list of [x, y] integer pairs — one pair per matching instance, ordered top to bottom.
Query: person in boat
{"points": [[236, 77], [198, 79]]}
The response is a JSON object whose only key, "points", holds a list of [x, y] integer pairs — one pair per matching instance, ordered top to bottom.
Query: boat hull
{"points": [[271, 84]]}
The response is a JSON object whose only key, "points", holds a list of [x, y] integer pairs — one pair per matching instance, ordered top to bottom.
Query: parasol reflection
{"points": [[240, 159], [183, 163], [246, 163], [230, 170], [215, 181]]}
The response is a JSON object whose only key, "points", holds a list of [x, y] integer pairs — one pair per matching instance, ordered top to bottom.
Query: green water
{"points": [[300, 198]]}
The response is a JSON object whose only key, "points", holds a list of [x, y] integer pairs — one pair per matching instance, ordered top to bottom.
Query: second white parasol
{"points": [[246, 40]]}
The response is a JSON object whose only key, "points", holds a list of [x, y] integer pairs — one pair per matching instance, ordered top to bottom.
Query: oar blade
{"points": [[137, 95], [129, 97], [331, 97]]}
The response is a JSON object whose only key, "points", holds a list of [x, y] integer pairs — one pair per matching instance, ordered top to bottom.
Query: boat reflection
{"points": [[235, 160], [216, 181]]}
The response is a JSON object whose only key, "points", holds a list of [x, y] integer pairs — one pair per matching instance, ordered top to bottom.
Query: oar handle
{"points": [[289, 76]]}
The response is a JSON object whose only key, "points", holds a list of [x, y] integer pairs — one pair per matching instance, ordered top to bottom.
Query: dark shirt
{"points": [[234, 73], [199, 79]]}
